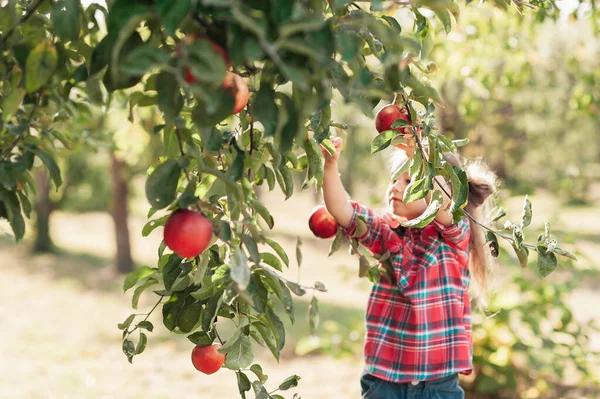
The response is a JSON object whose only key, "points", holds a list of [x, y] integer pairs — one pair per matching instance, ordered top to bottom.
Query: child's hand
{"points": [[332, 159]]}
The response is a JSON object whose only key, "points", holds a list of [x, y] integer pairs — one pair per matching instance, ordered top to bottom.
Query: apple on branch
{"points": [[322, 223], [187, 233], [207, 359]]}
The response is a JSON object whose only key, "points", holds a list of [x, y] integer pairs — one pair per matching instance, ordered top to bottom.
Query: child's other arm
{"points": [[333, 190]]}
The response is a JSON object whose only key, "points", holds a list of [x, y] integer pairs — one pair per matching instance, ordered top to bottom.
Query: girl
{"points": [[418, 323]]}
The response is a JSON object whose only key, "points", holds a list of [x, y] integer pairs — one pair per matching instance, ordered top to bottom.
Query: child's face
{"points": [[394, 195]]}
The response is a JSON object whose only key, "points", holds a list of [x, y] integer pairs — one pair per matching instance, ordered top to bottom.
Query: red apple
{"points": [[189, 39], [238, 88], [387, 115], [322, 223], [187, 233], [206, 358]]}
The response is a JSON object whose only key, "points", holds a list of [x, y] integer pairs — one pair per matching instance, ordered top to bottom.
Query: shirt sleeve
{"points": [[376, 227], [457, 234]]}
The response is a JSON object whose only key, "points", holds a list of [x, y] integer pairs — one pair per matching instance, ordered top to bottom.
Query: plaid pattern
{"points": [[419, 327]]}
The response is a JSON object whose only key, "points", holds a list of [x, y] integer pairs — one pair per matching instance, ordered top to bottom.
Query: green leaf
{"points": [[122, 11], [172, 13], [444, 15], [65, 19], [393, 23], [142, 59], [41, 63], [205, 63], [170, 100], [11, 103], [264, 109], [290, 129], [382, 141], [460, 142], [447, 143], [316, 162], [50, 164], [403, 168], [236, 170], [287, 180], [161, 185], [460, 187], [415, 190], [12, 207], [263, 212], [430, 213], [526, 213], [499, 215], [153, 224], [492, 240], [337, 242], [252, 247], [279, 250], [299, 251], [565, 253], [522, 254], [271, 260], [547, 262], [363, 266], [171, 270], [240, 271], [137, 275], [295, 288], [139, 290], [210, 311], [189, 315], [313, 315], [126, 323], [146, 325], [200, 338], [269, 339], [141, 345], [128, 349], [239, 355], [258, 371], [290, 382], [243, 383], [260, 391]]}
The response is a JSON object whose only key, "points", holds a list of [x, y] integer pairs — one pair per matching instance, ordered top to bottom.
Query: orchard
{"points": [[245, 92]]}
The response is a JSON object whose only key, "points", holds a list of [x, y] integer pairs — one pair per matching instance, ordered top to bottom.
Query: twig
{"points": [[147, 314]]}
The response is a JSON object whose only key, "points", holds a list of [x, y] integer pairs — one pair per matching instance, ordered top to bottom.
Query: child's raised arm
{"points": [[333, 190]]}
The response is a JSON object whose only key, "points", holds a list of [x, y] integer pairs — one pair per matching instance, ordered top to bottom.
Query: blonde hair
{"points": [[482, 184]]}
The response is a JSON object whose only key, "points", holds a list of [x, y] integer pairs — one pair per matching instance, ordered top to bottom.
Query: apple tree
{"points": [[245, 91]]}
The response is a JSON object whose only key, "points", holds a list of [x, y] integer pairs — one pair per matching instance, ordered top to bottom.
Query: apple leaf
{"points": [[161, 185], [430, 213], [240, 272], [138, 274], [239, 355], [289, 382]]}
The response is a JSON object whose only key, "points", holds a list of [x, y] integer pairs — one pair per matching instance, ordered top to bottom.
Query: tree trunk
{"points": [[43, 209], [120, 214]]}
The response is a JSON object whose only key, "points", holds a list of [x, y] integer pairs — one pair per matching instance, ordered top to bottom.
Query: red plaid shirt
{"points": [[420, 327]]}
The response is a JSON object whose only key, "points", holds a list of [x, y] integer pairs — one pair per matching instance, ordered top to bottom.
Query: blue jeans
{"points": [[442, 388]]}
